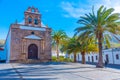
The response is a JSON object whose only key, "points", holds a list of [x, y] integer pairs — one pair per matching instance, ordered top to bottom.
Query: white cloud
{"points": [[109, 4], [115, 4], [72, 10], [75, 10]]}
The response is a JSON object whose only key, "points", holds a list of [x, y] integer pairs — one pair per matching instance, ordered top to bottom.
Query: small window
{"points": [[35, 21], [32, 33], [117, 56], [96, 58], [107, 58], [88, 59], [92, 59]]}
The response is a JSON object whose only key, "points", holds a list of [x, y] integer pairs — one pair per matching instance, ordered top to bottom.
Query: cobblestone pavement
{"points": [[57, 71]]}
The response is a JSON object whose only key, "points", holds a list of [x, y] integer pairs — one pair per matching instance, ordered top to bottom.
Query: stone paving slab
{"points": [[68, 71], [8, 73]]}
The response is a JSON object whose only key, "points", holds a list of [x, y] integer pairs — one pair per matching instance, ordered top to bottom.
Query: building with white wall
{"points": [[7, 46], [54, 53], [111, 55]]}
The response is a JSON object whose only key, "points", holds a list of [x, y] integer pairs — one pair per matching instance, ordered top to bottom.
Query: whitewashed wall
{"points": [[7, 46], [110, 52], [116, 52], [55, 54], [92, 55], [110, 56], [79, 57]]}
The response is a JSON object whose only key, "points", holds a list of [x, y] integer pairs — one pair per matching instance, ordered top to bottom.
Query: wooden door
{"points": [[32, 52]]}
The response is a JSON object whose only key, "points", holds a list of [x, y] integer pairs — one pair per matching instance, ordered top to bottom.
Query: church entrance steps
{"points": [[29, 61]]}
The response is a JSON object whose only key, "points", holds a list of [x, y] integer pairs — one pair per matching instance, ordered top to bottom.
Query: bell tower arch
{"points": [[32, 17]]}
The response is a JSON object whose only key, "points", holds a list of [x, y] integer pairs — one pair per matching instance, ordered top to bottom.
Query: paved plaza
{"points": [[56, 71]]}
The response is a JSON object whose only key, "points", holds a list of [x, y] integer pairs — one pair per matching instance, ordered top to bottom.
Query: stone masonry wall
{"points": [[19, 45]]}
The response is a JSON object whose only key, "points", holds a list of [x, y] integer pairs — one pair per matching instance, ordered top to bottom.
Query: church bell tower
{"points": [[32, 17]]}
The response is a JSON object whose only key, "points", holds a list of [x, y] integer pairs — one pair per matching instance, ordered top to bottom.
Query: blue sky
{"points": [[57, 14]]}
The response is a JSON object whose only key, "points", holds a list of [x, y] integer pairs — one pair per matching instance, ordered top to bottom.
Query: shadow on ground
{"points": [[45, 63], [115, 66], [45, 70], [40, 79]]}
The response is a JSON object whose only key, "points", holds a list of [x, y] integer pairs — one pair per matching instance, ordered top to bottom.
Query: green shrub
{"points": [[54, 59], [61, 59], [68, 60]]}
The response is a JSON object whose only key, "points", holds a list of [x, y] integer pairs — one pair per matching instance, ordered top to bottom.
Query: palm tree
{"points": [[97, 24], [57, 38], [87, 45], [73, 46]]}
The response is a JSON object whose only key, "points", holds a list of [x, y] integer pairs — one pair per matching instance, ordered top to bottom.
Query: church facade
{"points": [[30, 40]]}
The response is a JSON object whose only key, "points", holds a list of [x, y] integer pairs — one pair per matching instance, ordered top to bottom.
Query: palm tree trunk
{"points": [[57, 52], [74, 57], [83, 57], [100, 61]]}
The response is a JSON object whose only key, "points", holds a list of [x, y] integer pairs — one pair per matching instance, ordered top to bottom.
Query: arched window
{"points": [[32, 10], [29, 20], [36, 21]]}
